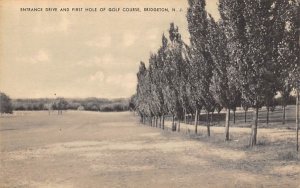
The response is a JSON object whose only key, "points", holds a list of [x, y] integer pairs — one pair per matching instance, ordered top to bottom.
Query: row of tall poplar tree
{"points": [[246, 57]]}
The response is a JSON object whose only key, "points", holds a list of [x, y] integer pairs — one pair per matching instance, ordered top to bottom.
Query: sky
{"points": [[78, 53]]}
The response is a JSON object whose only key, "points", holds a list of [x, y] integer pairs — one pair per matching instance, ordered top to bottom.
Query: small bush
{"points": [[262, 142], [287, 156]]}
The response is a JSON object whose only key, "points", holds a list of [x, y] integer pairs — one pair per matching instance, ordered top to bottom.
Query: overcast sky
{"points": [[81, 54]]}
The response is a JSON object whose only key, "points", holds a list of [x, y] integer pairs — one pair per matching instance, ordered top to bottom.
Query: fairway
{"points": [[93, 149]]}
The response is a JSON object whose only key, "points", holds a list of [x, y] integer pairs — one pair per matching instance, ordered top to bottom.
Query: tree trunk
{"points": [[268, 110], [283, 115], [184, 116], [234, 116], [245, 116], [211, 117], [192, 119], [297, 120], [156, 121], [159, 121], [152, 122], [163, 122], [196, 122], [173, 123], [208, 124], [227, 124], [254, 128], [178, 129]]}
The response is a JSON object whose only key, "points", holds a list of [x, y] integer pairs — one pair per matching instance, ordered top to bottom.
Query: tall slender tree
{"points": [[248, 24], [288, 53], [201, 57], [180, 60], [257, 75], [160, 79], [224, 87], [142, 89]]}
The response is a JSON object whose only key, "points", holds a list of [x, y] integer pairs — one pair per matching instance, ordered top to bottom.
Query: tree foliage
{"points": [[243, 59], [5, 104]]}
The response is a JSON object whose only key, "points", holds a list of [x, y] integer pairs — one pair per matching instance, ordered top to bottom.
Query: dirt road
{"points": [[90, 149]]}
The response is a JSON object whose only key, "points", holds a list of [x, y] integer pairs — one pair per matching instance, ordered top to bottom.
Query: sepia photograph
{"points": [[149, 94]]}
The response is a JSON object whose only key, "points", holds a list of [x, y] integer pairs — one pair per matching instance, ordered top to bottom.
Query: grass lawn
{"points": [[92, 149]]}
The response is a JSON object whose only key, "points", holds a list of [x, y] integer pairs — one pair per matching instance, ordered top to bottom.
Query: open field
{"points": [[91, 149]]}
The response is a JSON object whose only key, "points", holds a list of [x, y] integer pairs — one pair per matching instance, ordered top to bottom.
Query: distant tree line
{"points": [[244, 59], [89, 104]]}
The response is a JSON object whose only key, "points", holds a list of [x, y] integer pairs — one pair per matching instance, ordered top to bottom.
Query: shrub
{"points": [[5, 104]]}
